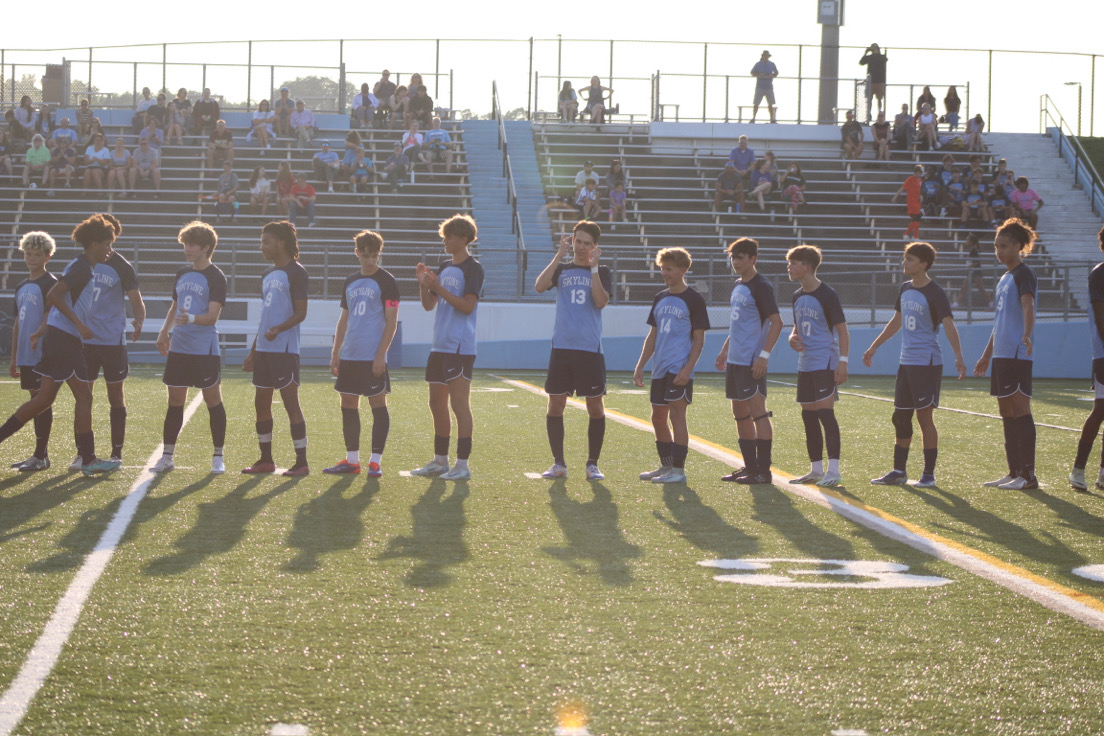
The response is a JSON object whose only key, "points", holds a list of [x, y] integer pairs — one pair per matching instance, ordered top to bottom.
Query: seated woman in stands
{"points": [[926, 98], [596, 100], [568, 103], [952, 104], [399, 105], [175, 120], [262, 125], [928, 126], [974, 128], [880, 131], [352, 145], [97, 160], [121, 161], [615, 176], [762, 181], [284, 182], [793, 184], [260, 189], [1026, 203]]}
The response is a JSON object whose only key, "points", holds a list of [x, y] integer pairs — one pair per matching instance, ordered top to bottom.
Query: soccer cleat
{"points": [[33, 463], [77, 464], [164, 465], [218, 465], [101, 466], [260, 467], [343, 468], [431, 469], [374, 470], [664, 470], [297, 471], [556, 471], [457, 473], [593, 473], [674, 475], [735, 475], [811, 477], [892, 478], [754, 479], [1077, 479], [830, 480], [927, 480], [999, 483], [1015, 484]]}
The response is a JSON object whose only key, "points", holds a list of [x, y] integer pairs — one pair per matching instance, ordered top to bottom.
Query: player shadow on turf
{"points": [[773, 507], [18, 510], [1073, 515], [329, 523], [702, 526], [219, 528], [992, 528], [593, 532], [437, 536]]}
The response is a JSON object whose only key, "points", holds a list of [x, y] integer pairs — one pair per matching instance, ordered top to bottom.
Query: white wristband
{"points": [[594, 269], [191, 319], [764, 354], [843, 358]]}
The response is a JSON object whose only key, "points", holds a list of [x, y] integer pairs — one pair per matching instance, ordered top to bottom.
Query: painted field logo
{"points": [[787, 573]]}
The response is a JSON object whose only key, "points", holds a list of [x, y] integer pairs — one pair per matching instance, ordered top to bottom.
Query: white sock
{"points": [[352, 456], [376, 458], [440, 459], [461, 463], [833, 465], [817, 467]]}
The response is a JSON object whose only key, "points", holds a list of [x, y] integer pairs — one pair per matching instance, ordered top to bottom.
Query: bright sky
{"points": [[1018, 80]]}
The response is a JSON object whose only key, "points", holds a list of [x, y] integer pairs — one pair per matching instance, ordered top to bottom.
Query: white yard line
{"points": [[1083, 607], [46, 651]]}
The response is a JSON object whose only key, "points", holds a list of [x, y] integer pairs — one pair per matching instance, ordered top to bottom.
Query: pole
{"points": [[559, 61], [164, 66], [437, 71], [829, 74], [249, 78], [799, 80], [89, 91], [989, 95], [726, 97], [529, 111]]}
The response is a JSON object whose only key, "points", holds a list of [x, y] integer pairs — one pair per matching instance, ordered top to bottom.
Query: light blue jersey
{"points": [[77, 277], [280, 289], [194, 292], [1096, 294], [366, 298], [105, 300], [752, 304], [922, 310], [30, 311], [816, 314], [675, 317], [578, 319], [1008, 323], [454, 331]]}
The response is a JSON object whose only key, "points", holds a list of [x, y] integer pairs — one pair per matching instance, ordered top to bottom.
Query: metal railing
{"points": [[1070, 146], [511, 188]]}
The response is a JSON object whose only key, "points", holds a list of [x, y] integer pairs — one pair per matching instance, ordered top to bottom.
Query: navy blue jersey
{"points": [[77, 275], [280, 289], [194, 291], [1096, 294], [366, 297], [105, 300], [752, 304], [922, 310], [30, 311], [816, 313], [675, 317], [578, 319], [1008, 322], [454, 331]]}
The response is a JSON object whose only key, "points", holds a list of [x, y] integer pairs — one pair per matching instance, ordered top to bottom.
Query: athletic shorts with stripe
{"points": [[62, 356], [112, 358], [445, 367], [184, 370], [275, 370], [579, 372], [1010, 375], [355, 377], [740, 385], [814, 386], [917, 386], [664, 391]]}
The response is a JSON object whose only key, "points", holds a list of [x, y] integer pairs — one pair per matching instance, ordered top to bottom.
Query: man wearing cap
{"points": [[764, 72], [283, 107], [303, 125], [325, 165], [583, 176], [728, 187]]}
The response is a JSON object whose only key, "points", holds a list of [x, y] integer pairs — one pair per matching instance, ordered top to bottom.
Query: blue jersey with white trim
{"points": [[77, 275], [280, 289], [194, 291], [1096, 294], [366, 297], [105, 300], [752, 305], [922, 310], [30, 311], [816, 313], [675, 317], [578, 319], [1008, 322], [454, 331]]}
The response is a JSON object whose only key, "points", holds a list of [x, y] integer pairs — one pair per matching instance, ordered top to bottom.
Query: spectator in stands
{"points": [[875, 62], [764, 72], [415, 82], [383, 90], [926, 98], [596, 100], [182, 102], [568, 103], [398, 104], [952, 104], [421, 106], [364, 108], [282, 109], [157, 111], [205, 114], [176, 119], [25, 120], [138, 122], [45, 124], [303, 125], [928, 125], [261, 126], [974, 128], [97, 129], [904, 129], [62, 132], [880, 133], [152, 134], [851, 137], [352, 143], [412, 143], [220, 145], [437, 146], [6, 151], [743, 158], [97, 160], [36, 163], [64, 163], [326, 165], [147, 167], [395, 168], [999, 170], [363, 172], [947, 172], [975, 172], [586, 174], [118, 175], [615, 175], [1008, 181], [284, 182], [762, 182], [793, 186], [728, 188], [260, 190], [226, 191], [956, 193], [933, 194], [303, 197], [587, 201], [618, 203], [1026, 203], [1000, 207], [975, 208], [974, 275]]}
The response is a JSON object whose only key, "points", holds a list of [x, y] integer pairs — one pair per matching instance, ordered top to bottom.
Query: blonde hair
{"points": [[37, 240], [679, 257]]}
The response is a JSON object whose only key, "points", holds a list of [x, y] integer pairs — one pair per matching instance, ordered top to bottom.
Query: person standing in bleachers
{"points": [[764, 72]]}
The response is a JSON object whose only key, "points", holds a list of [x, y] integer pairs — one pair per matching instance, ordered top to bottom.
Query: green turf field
{"points": [[415, 606]]}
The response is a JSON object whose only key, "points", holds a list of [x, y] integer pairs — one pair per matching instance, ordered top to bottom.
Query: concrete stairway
{"points": [[532, 205], [1067, 225], [497, 249]]}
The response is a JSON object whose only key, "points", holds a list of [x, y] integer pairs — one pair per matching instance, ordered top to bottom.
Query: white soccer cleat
{"points": [[77, 464], [164, 465], [218, 465], [432, 469], [556, 471], [457, 473], [593, 473], [651, 474], [674, 475], [811, 477], [1077, 479], [830, 480], [999, 483], [1015, 484]]}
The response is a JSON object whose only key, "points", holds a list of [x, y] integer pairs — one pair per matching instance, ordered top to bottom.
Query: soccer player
{"points": [[913, 204], [454, 291], [71, 301], [922, 306], [30, 314], [369, 319], [678, 321], [753, 331], [820, 337], [1010, 348], [193, 351], [274, 355], [577, 364], [1093, 421]]}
